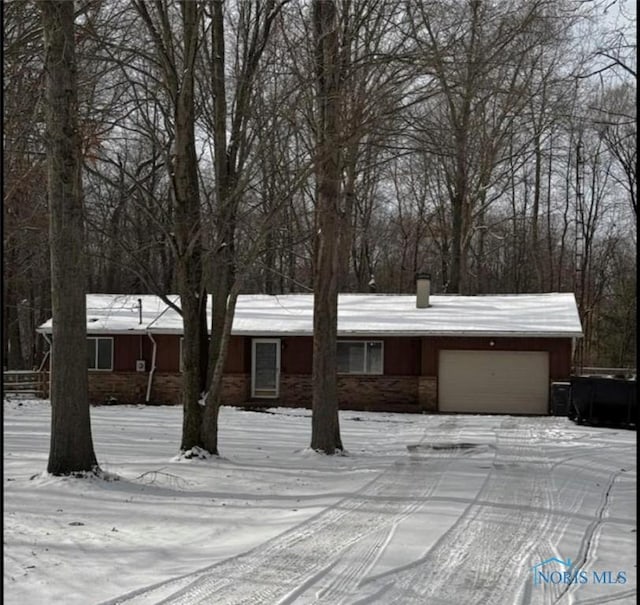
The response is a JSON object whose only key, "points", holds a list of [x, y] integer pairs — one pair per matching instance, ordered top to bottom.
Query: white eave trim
{"points": [[142, 332], [354, 334], [416, 334]]}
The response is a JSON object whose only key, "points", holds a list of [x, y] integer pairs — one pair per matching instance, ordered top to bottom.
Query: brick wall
{"points": [[117, 387], [131, 387], [165, 388], [235, 388], [295, 390], [387, 393], [428, 393]]}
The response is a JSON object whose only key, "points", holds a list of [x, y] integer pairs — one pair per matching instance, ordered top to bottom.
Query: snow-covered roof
{"points": [[120, 313], [535, 315]]}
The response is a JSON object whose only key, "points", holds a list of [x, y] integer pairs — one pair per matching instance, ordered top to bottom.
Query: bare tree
{"points": [[176, 56], [480, 57], [180, 89], [616, 121], [233, 131], [26, 267], [325, 427], [71, 449]]}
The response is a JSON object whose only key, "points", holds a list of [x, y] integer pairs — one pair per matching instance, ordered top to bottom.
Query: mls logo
{"points": [[563, 572]]}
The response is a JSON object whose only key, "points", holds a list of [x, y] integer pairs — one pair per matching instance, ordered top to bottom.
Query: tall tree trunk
{"points": [[178, 70], [232, 130], [189, 236], [225, 256], [325, 427], [71, 448]]}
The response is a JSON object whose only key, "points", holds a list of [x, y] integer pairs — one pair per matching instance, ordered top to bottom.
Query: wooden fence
{"points": [[25, 383]]}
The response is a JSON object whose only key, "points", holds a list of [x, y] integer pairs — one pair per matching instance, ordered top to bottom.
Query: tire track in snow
{"points": [[573, 478], [588, 546], [484, 558], [481, 559], [284, 567], [282, 570], [274, 572], [343, 579], [332, 586]]}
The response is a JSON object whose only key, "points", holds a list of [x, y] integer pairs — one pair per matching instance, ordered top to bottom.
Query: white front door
{"points": [[265, 367]]}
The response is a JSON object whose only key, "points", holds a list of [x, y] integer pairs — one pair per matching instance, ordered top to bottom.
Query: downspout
{"points": [[153, 356], [153, 367]]}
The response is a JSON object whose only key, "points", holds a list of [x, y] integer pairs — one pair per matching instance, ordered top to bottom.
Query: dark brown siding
{"points": [[128, 348], [127, 351], [559, 351], [297, 352], [168, 353], [401, 356], [238, 357]]}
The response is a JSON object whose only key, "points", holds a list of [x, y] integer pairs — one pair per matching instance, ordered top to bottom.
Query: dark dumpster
{"points": [[603, 401]]}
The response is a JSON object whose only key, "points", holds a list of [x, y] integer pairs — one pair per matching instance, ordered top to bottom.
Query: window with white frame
{"points": [[100, 353], [360, 357]]}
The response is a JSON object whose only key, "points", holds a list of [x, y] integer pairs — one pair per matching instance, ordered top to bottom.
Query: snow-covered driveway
{"points": [[425, 509]]}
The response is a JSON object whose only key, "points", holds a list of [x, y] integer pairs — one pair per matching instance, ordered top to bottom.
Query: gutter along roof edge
{"points": [[343, 333]]}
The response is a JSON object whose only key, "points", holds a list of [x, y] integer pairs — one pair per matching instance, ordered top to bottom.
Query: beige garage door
{"points": [[494, 382]]}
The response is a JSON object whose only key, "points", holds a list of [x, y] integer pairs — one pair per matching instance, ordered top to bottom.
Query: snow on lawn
{"points": [[428, 509]]}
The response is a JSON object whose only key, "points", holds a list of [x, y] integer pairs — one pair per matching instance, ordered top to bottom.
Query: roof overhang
{"points": [[141, 332], [344, 333], [417, 333]]}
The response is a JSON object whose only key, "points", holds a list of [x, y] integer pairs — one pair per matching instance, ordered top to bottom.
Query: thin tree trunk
{"points": [[535, 214], [347, 228], [550, 235], [455, 272], [13, 357], [214, 394], [71, 448]]}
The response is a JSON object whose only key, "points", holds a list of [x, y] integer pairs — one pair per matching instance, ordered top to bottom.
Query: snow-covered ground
{"points": [[428, 509]]}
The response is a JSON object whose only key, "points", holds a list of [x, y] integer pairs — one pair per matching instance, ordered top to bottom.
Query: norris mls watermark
{"points": [[547, 572]]}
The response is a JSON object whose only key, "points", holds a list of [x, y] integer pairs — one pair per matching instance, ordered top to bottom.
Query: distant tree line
{"points": [[278, 146]]}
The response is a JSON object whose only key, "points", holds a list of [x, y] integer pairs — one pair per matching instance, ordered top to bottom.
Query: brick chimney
{"points": [[423, 289]]}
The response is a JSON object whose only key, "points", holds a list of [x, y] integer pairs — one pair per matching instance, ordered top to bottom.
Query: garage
{"points": [[493, 382]]}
